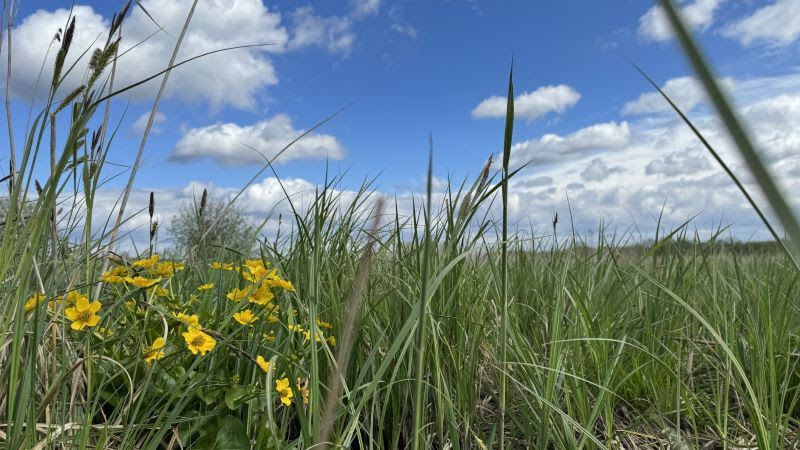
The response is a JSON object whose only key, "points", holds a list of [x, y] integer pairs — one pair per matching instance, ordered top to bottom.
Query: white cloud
{"points": [[365, 7], [699, 15], [777, 23], [405, 30], [333, 33], [230, 78], [686, 92], [530, 105], [775, 122], [141, 123], [226, 143], [554, 148], [662, 161], [679, 163], [598, 170], [621, 174], [265, 200]]}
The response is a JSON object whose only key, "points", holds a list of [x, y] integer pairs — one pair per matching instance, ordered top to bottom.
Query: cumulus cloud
{"points": [[699, 15], [776, 24], [231, 78], [686, 92], [530, 105], [775, 122], [141, 123], [227, 143], [553, 148], [679, 163], [666, 166], [598, 170], [265, 201]]}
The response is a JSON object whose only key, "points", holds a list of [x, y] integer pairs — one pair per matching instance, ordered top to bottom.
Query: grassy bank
{"points": [[363, 328]]}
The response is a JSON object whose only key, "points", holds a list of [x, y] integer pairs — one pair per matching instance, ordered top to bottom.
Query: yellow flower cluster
{"points": [[154, 270], [256, 281]]}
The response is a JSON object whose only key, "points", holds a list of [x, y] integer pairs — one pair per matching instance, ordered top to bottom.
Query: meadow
{"points": [[448, 328]]}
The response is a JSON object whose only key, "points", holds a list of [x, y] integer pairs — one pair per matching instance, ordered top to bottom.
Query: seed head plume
{"points": [[62, 52], [69, 98], [203, 202], [151, 208]]}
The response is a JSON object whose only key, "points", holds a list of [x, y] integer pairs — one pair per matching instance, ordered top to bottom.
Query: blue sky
{"points": [[413, 67]]}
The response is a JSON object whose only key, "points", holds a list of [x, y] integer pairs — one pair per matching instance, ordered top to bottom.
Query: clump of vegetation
{"points": [[193, 228], [437, 330]]}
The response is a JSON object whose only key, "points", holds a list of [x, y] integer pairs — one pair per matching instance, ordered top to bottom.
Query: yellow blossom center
{"points": [[198, 341]]}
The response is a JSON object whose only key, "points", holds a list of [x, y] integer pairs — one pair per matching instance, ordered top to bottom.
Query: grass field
{"points": [[362, 328]]}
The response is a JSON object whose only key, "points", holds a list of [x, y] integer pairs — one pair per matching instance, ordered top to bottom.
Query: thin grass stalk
{"points": [[735, 128], [509, 131], [11, 151], [137, 163], [725, 167], [422, 326], [346, 347]]}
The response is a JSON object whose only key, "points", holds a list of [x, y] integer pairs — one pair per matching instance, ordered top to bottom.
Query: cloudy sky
{"points": [[601, 142]]}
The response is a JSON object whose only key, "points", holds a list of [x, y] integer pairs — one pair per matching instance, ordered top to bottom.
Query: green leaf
{"points": [[235, 396], [223, 433]]}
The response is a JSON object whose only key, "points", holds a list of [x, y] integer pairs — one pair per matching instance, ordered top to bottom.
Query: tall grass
{"points": [[453, 331]]}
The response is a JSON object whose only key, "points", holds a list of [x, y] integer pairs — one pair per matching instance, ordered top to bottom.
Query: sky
{"points": [[603, 147]]}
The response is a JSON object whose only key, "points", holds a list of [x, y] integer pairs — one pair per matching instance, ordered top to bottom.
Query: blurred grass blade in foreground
{"points": [[761, 173]]}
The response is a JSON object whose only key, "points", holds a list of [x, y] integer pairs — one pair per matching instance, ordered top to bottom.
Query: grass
{"points": [[450, 330]]}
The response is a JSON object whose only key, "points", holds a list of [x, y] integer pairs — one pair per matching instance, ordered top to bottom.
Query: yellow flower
{"points": [[146, 262], [254, 265], [223, 266], [166, 269], [256, 270], [114, 275], [113, 279], [277, 281], [142, 282], [205, 287], [237, 294], [262, 295], [34, 301], [83, 314], [245, 317], [272, 318], [193, 321], [324, 325], [297, 328], [318, 336], [268, 337], [198, 341], [332, 341], [155, 351], [264, 364], [284, 390]]}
